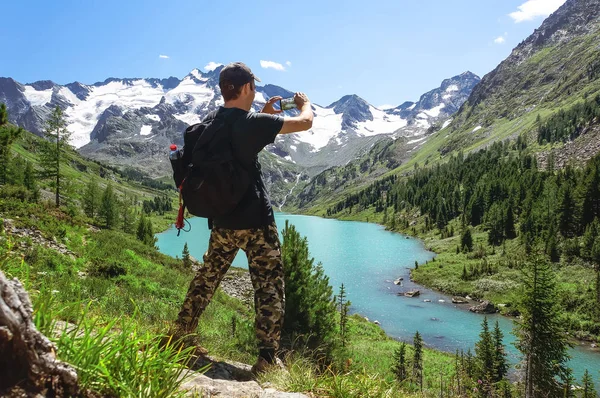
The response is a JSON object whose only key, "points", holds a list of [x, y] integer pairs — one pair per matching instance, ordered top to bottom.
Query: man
{"points": [[251, 226]]}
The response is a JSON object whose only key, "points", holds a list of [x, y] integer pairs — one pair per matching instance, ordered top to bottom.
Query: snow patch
{"points": [[196, 74], [452, 87], [191, 94], [68, 95], [446, 96], [37, 98], [260, 98], [410, 108], [435, 112], [156, 118], [189, 118], [382, 123], [422, 123], [446, 124], [326, 125], [476, 129], [146, 130], [417, 140], [293, 147], [289, 158]]}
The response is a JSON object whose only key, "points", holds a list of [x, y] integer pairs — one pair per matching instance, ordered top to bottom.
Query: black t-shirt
{"points": [[250, 133]]}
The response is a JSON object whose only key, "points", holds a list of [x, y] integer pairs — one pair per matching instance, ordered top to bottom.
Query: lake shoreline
{"points": [[367, 258]]}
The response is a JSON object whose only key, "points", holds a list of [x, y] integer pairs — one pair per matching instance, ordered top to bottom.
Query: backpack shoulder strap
{"points": [[212, 126]]}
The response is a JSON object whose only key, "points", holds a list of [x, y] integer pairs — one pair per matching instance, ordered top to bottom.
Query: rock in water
{"points": [[459, 300], [484, 308]]}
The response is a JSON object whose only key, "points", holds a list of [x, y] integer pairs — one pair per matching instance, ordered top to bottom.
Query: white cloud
{"points": [[535, 8], [499, 40], [163, 56], [288, 63], [272, 65], [211, 66]]}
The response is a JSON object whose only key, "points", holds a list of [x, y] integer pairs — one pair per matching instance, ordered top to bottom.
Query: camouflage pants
{"points": [[266, 273]]}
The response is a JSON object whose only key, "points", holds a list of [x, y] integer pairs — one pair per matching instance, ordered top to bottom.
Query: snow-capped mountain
{"points": [[439, 103], [132, 121]]}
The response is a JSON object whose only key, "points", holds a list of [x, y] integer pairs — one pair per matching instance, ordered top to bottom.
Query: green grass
{"points": [[121, 295], [116, 358], [365, 369]]}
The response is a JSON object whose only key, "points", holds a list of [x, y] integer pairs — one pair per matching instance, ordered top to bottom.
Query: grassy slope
{"points": [[144, 294]]}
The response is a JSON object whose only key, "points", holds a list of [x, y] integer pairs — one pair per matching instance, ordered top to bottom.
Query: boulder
{"points": [[412, 293], [459, 300], [484, 308]]}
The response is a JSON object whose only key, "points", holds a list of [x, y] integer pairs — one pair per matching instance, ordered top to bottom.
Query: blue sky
{"points": [[386, 51]]}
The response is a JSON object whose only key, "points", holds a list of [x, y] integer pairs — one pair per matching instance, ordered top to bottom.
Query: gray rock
{"points": [[484, 308]]}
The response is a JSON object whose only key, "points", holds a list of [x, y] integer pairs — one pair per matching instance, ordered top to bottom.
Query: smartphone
{"points": [[287, 104]]}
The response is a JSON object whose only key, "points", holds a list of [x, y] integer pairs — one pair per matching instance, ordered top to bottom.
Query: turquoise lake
{"points": [[367, 259]]}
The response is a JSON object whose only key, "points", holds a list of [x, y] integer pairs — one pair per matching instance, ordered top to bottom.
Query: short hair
{"points": [[229, 90]]}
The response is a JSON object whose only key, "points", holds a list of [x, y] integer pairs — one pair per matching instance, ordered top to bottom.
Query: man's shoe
{"points": [[177, 340], [262, 365]]}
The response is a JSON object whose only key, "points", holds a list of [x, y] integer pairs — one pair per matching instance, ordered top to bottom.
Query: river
{"points": [[367, 259]]}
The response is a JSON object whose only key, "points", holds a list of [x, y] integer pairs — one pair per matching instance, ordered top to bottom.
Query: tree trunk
{"points": [[28, 363]]}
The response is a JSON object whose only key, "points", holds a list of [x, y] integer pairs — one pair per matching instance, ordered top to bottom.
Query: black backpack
{"points": [[210, 178]]}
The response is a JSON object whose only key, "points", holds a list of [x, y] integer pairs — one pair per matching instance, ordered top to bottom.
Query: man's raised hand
{"points": [[300, 99], [268, 108]]}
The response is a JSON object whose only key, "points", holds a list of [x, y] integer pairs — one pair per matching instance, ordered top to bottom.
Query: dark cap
{"points": [[237, 73]]}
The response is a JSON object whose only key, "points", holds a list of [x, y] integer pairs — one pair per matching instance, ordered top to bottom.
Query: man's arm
{"points": [[301, 122]]}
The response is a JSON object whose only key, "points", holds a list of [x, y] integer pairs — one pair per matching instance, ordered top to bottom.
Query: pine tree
{"points": [[8, 134], [52, 150], [15, 171], [29, 177], [591, 196], [91, 198], [108, 207], [476, 209], [567, 214], [127, 216], [495, 224], [509, 224], [141, 228], [145, 231], [592, 231], [150, 238], [466, 240], [552, 245], [185, 256], [343, 308], [310, 312], [540, 337], [484, 355], [417, 361], [500, 362], [469, 363], [399, 368], [567, 384], [587, 385]]}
